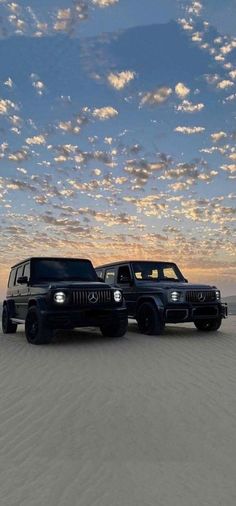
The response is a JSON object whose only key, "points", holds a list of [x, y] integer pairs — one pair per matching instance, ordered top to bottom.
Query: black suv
{"points": [[55, 293], [157, 293]]}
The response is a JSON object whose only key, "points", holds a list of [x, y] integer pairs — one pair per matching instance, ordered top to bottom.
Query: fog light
{"points": [[117, 296], [59, 297]]}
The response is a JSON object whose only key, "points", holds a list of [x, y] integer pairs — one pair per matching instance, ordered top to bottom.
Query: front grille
{"points": [[200, 296], [91, 297]]}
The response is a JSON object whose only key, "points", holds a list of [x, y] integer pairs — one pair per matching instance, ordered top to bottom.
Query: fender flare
{"points": [[155, 299], [39, 302], [10, 304]]}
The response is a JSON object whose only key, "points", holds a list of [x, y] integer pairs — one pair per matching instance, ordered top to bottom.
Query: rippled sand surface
{"points": [[136, 421]]}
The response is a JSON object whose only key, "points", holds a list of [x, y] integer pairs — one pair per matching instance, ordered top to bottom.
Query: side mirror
{"points": [[100, 279], [22, 280], [125, 280]]}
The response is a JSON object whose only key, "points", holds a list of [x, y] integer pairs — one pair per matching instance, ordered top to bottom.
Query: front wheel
{"points": [[149, 321], [208, 325], [7, 326], [115, 329], [35, 330]]}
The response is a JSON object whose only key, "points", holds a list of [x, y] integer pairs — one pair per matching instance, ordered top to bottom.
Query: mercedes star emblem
{"points": [[201, 296], [93, 297]]}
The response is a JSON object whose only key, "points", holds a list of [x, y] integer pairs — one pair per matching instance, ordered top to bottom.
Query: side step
{"points": [[17, 320]]}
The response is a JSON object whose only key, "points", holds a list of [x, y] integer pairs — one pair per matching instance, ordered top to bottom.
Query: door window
{"points": [[27, 271], [19, 273], [124, 274], [110, 276], [12, 278]]}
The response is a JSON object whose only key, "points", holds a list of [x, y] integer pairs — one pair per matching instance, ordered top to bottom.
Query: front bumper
{"points": [[193, 312], [83, 317]]}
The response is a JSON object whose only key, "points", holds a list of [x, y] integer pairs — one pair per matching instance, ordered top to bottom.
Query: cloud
{"points": [[105, 3], [195, 8], [68, 18], [186, 24], [227, 48], [233, 74], [212, 78], [120, 79], [9, 82], [37, 84], [222, 85], [181, 90], [156, 97], [6, 106], [187, 106], [105, 113], [68, 126], [189, 130], [218, 136], [36, 139], [18, 156], [229, 168]]}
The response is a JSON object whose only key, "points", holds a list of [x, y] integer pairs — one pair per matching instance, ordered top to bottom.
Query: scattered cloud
{"points": [[105, 3], [195, 8], [119, 80], [222, 85], [181, 90], [156, 97], [6, 106], [187, 106], [104, 113], [189, 130], [218, 136], [36, 139]]}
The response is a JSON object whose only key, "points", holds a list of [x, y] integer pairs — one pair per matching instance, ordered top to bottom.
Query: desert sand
{"points": [[135, 421]]}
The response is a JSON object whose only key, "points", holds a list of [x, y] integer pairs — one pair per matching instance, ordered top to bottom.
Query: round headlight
{"points": [[217, 294], [117, 296], [175, 296], [59, 297]]}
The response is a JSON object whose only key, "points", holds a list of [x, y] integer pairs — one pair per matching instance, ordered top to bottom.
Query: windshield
{"points": [[63, 270], [156, 271]]}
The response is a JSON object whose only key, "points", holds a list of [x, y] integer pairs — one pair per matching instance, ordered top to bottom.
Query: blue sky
{"points": [[117, 133]]}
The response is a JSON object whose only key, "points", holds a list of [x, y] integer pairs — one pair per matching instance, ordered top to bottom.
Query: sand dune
{"points": [[137, 421]]}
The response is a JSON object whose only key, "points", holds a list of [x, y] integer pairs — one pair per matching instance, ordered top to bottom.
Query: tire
{"points": [[148, 319], [208, 325], [7, 326], [115, 329], [35, 330]]}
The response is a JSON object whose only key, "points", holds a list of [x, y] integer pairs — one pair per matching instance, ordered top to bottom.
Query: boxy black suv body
{"points": [[55, 293], [157, 293]]}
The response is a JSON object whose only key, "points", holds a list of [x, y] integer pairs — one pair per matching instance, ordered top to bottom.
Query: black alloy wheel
{"points": [[149, 321], [208, 325], [7, 326], [35, 330]]}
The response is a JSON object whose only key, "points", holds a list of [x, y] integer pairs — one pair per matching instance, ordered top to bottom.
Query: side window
{"points": [[26, 271], [168, 272], [19, 273], [124, 275], [110, 276], [12, 278]]}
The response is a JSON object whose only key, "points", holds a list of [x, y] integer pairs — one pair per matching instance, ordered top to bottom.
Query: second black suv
{"points": [[55, 293], [157, 293]]}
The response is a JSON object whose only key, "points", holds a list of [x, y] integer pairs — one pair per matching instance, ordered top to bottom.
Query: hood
{"points": [[92, 285], [174, 285]]}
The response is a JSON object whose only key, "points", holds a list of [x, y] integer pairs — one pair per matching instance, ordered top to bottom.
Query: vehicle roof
{"points": [[48, 258], [111, 264]]}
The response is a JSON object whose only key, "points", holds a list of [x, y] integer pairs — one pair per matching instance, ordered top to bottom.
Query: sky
{"points": [[117, 133]]}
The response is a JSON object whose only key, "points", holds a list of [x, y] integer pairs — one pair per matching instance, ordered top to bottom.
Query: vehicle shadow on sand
{"points": [[180, 332]]}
